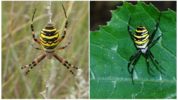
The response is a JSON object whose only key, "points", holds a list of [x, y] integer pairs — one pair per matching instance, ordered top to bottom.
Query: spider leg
{"points": [[64, 11], [65, 27], [32, 29], [155, 30], [130, 32], [154, 42], [65, 46], [35, 47], [134, 55], [136, 60], [34, 63], [65, 63], [156, 63], [131, 65], [149, 69]]}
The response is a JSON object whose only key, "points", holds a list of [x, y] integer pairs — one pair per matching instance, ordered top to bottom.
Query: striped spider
{"points": [[49, 39], [143, 41]]}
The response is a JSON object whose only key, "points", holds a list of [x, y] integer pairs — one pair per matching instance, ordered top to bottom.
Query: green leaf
{"points": [[111, 48]]}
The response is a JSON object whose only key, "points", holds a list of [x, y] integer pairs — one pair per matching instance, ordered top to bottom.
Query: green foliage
{"points": [[111, 47], [17, 50]]}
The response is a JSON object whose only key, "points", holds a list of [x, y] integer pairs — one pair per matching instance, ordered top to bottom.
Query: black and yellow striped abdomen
{"points": [[49, 37], [141, 37]]}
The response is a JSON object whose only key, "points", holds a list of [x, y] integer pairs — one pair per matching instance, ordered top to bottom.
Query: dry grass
{"points": [[17, 51]]}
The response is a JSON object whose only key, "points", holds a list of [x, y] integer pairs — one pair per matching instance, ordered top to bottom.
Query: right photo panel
{"points": [[133, 50]]}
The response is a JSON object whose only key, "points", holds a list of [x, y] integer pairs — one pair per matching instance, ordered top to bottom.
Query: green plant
{"points": [[111, 47]]}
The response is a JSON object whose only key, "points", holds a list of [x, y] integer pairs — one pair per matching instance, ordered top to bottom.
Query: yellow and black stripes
{"points": [[49, 37], [141, 37]]}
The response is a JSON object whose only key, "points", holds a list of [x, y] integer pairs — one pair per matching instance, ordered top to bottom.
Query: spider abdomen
{"points": [[49, 37], [141, 37]]}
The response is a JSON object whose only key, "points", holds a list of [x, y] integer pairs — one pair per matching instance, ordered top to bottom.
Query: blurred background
{"points": [[100, 12], [49, 79]]}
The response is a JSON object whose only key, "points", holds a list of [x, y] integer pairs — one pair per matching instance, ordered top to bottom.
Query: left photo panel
{"points": [[45, 50]]}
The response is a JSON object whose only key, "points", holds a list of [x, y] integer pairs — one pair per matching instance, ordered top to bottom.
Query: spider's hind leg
{"points": [[65, 26], [32, 29], [155, 30], [130, 31]]}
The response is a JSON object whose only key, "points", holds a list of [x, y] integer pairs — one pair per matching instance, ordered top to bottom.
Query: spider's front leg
{"points": [[132, 62], [34, 63], [69, 66], [149, 69]]}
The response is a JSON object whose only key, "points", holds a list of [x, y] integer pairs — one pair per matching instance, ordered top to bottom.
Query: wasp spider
{"points": [[49, 39], [143, 41]]}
